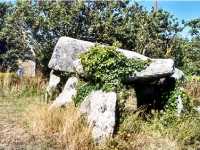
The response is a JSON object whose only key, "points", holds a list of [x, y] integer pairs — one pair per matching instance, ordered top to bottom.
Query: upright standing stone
{"points": [[28, 67], [53, 82], [100, 109]]}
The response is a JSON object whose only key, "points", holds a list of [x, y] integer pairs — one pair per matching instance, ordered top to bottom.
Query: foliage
{"points": [[194, 24], [36, 26], [191, 49], [191, 56], [108, 67], [192, 87], [83, 90], [171, 106], [66, 127], [159, 131]]}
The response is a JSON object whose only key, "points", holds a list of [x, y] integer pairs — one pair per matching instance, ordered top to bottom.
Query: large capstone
{"points": [[67, 50], [158, 68], [67, 95], [100, 109]]}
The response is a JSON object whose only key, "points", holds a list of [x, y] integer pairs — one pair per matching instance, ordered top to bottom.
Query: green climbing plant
{"points": [[109, 68], [83, 89], [172, 101]]}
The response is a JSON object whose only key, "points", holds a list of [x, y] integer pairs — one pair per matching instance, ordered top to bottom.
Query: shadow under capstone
{"points": [[154, 94]]}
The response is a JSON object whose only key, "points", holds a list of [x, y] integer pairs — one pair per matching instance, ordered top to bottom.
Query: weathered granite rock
{"points": [[68, 49], [28, 67], [78, 67], [158, 68], [178, 74], [53, 82], [52, 85], [67, 94], [100, 109], [197, 109]]}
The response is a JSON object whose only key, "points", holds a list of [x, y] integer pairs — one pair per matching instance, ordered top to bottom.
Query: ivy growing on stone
{"points": [[109, 68], [83, 89]]}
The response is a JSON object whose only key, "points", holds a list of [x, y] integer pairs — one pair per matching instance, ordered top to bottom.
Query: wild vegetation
{"points": [[36, 26], [30, 29], [108, 68], [64, 128]]}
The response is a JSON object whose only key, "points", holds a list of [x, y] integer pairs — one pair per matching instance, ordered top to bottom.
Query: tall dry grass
{"points": [[10, 84], [192, 87], [65, 126]]}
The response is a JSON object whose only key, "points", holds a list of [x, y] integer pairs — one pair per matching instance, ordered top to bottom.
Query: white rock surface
{"points": [[68, 49], [28, 67], [78, 67], [158, 68], [178, 74], [53, 82], [66, 96], [179, 105], [100, 109], [197, 109]]}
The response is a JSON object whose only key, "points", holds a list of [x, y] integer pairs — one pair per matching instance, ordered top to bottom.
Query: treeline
{"points": [[30, 30]]}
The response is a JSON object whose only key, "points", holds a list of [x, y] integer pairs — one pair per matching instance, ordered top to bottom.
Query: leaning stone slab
{"points": [[52, 85], [66, 96], [100, 109]]}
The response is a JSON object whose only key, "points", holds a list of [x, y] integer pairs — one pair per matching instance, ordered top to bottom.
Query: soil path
{"points": [[13, 133]]}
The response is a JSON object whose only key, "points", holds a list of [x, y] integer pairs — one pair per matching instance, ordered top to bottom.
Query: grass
{"points": [[192, 87], [26, 123], [65, 126]]}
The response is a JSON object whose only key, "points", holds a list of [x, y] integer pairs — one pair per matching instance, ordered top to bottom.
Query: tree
{"points": [[37, 25], [194, 27]]}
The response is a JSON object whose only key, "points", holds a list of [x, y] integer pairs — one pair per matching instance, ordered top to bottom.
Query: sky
{"points": [[181, 9]]}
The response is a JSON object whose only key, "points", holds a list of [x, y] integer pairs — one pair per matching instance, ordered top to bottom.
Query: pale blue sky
{"points": [[181, 9]]}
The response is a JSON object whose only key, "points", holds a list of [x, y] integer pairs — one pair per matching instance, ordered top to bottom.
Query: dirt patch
{"points": [[13, 132]]}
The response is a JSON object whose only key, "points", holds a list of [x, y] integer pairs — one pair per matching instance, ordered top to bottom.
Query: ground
{"points": [[26, 123], [13, 131]]}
